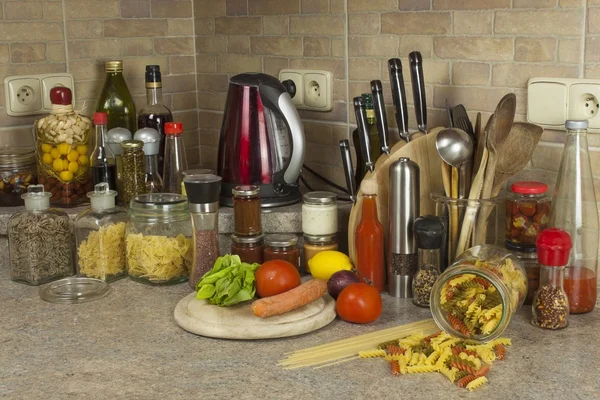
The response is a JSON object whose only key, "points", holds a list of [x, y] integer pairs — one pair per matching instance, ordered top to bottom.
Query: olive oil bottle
{"points": [[115, 99]]}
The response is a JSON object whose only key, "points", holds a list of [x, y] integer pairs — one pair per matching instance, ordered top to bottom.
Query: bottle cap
{"points": [[113, 66], [153, 76], [61, 95], [100, 118], [577, 124], [173, 128], [151, 139], [132, 144], [529, 187], [202, 189], [36, 198], [102, 198], [429, 231], [553, 247]]}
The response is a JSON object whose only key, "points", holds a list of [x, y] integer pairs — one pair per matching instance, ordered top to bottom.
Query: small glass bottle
{"points": [[115, 99], [114, 137], [151, 139], [102, 160], [175, 160], [133, 170], [246, 210], [527, 212], [319, 213], [429, 232], [100, 237], [369, 238], [316, 244], [282, 246], [249, 248], [550, 302]]}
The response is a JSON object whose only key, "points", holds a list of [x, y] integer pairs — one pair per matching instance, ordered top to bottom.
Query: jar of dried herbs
{"points": [[134, 175], [39, 240]]}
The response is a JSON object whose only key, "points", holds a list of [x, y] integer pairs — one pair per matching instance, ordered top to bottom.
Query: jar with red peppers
{"points": [[527, 212]]}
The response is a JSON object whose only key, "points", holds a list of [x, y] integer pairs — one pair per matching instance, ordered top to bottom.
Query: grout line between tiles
{"points": [[583, 38], [196, 83]]}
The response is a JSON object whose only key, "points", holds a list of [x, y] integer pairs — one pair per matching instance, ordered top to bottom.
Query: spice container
{"points": [[114, 138], [151, 139], [62, 140], [17, 172], [190, 172], [134, 182], [203, 195], [246, 210], [527, 212], [319, 213], [429, 232], [100, 237], [39, 240], [159, 244], [316, 244], [282, 246], [249, 248], [529, 261], [477, 296], [550, 303]]}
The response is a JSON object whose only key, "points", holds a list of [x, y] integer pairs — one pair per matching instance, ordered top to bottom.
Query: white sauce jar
{"points": [[319, 213]]}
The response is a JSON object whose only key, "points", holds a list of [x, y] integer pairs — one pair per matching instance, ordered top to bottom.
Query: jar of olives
{"points": [[17, 172], [527, 212]]}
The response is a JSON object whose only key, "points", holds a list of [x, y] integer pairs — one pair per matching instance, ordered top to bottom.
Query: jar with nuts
{"points": [[63, 139], [17, 172]]}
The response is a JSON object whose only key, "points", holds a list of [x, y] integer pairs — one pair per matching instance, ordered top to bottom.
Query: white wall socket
{"points": [[314, 88], [30, 94]]}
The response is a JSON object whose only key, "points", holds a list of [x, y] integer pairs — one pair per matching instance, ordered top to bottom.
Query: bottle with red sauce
{"points": [[574, 209]]}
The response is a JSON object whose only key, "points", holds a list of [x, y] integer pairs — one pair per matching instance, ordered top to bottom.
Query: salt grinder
{"points": [[403, 209]]}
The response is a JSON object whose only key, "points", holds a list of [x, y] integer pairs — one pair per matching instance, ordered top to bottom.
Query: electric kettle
{"points": [[261, 141]]}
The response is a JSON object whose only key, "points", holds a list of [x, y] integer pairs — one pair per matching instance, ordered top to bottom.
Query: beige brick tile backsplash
{"points": [[416, 23]]}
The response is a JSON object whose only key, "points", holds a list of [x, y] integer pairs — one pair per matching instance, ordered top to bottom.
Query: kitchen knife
{"points": [[418, 87], [399, 97], [380, 116], [363, 132], [348, 168]]}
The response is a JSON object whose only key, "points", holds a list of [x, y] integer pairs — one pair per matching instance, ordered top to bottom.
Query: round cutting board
{"points": [[238, 322]]}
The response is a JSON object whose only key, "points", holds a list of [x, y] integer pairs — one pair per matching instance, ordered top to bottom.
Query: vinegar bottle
{"points": [[102, 160], [175, 160]]}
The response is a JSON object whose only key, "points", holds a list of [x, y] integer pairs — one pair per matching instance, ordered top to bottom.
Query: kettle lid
{"points": [[256, 79]]}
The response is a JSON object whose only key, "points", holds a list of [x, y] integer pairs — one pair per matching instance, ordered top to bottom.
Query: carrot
{"points": [[291, 300]]}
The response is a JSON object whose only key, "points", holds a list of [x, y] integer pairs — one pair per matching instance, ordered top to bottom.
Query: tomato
{"points": [[275, 277], [359, 303]]}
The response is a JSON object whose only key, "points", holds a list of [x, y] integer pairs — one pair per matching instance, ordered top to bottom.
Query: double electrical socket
{"points": [[314, 88], [30, 94], [552, 101]]}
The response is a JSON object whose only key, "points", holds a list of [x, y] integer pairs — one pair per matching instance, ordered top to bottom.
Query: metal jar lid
{"points": [[113, 66], [132, 144], [17, 158], [245, 190], [319, 198], [248, 239], [320, 239], [281, 240]]}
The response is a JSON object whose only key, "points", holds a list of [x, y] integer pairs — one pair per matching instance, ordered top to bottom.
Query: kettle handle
{"points": [[292, 118]]}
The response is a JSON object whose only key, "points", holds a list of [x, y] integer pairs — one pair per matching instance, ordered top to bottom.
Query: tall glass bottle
{"points": [[115, 99], [155, 114], [152, 141], [102, 160], [175, 160], [361, 170], [574, 209], [369, 238]]}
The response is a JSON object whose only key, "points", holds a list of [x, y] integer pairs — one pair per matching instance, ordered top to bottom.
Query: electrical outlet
{"points": [[314, 88], [30, 94]]}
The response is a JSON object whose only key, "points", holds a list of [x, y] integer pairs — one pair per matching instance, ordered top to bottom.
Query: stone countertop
{"points": [[128, 346]]}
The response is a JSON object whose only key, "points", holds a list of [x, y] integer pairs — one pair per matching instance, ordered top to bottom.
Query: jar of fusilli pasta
{"points": [[477, 296]]}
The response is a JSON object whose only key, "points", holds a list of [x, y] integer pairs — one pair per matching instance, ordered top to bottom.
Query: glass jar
{"points": [[63, 151], [17, 171], [134, 179], [246, 210], [527, 212], [319, 214], [428, 232], [100, 237], [159, 239], [39, 240], [315, 244], [282, 246], [249, 248], [529, 261], [478, 295]]}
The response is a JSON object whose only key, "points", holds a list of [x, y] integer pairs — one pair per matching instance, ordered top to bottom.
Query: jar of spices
{"points": [[17, 171], [134, 175], [246, 210], [527, 212], [319, 213], [429, 231], [158, 239], [39, 240], [316, 244], [282, 246], [249, 248], [529, 260], [550, 303]]}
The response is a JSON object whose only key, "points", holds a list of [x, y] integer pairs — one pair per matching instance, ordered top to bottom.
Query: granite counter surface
{"points": [[128, 346]]}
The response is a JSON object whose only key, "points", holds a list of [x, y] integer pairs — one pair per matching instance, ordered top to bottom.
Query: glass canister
{"points": [[63, 145], [17, 171], [134, 179], [246, 210], [527, 212], [319, 213], [100, 237], [158, 239], [39, 240], [314, 244], [282, 246], [249, 248], [529, 261], [477, 296]]}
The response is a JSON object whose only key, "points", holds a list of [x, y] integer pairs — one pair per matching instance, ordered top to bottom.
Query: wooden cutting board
{"points": [[421, 150], [238, 322]]}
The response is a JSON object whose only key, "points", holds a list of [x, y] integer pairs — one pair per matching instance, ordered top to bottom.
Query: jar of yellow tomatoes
{"points": [[63, 151]]}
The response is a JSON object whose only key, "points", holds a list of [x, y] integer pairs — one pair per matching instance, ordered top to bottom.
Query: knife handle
{"points": [[418, 87], [399, 96], [380, 116], [363, 132], [348, 168]]}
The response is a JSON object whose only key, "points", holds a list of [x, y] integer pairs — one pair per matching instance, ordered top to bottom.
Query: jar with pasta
{"points": [[63, 146], [100, 236], [158, 239], [478, 295]]}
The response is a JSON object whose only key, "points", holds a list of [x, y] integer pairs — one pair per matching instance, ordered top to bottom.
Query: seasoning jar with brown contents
{"points": [[134, 182], [246, 210], [315, 244], [282, 246], [249, 248]]}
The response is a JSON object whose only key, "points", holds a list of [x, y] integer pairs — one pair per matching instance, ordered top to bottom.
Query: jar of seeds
{"points": [[134, 180], [429, 232]]}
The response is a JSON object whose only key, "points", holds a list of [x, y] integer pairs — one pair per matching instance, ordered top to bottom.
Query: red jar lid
{"points": [[61, 96], [100, 118], [173, 128], [529, 187], [553, 247]]}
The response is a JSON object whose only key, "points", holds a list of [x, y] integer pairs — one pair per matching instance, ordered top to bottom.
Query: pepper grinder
{"points": [[403, 209]]}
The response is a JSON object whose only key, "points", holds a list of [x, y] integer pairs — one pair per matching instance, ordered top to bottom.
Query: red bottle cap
{"points": [[61, 96], [100, 118], [173, 128], [529, 187], [553, 247]]}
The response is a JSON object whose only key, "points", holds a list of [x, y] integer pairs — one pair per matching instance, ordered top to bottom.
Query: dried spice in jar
{"points": [[17, 172], [134, 182], [246, 210], [527, 212], [429, 231], [282, 246], [249, 248]]}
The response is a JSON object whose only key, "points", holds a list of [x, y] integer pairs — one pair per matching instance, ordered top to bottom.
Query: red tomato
{"points": [[275, 277], [359, 303]]}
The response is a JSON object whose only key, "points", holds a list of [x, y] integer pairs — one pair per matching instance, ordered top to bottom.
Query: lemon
{"points": [[46, 148], [64, 148], [82, 149], [55, 153], [73, 155], [47, 159], [84, 160], [57, 165], [73, 166], [66, 176], [327, 263]]}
